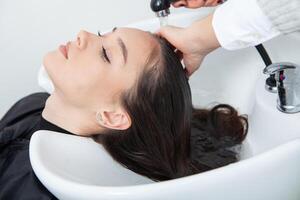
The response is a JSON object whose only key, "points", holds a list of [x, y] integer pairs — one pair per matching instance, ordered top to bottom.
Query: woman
{"points": [[128, 91]]}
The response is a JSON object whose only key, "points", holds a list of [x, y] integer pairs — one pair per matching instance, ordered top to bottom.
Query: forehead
{"points": [[139, 44]]}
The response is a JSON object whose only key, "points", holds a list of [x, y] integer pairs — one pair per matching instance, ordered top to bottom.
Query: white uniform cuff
{"points": [[242, 23]]}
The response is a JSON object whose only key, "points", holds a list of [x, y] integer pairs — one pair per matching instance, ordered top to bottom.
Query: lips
{"points": [[64, 50]]}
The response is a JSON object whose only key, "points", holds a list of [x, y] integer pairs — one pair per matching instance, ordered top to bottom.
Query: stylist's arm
{"points": [[234, 25], [196, 41]]}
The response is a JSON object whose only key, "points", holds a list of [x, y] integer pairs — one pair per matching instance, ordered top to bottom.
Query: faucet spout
{"points": [[276, 67]]}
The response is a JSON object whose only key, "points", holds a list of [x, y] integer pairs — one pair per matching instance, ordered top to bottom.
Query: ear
{"points": [[117, 120]]}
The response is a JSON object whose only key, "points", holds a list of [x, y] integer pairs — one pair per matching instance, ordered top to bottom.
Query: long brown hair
{"points": [[168, 137]]}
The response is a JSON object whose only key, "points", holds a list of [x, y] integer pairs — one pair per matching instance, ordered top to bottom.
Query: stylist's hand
{"points": [[196, 3], [194, 42]]}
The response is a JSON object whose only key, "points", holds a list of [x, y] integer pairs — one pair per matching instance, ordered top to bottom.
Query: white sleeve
{"points": [[242, 23]]}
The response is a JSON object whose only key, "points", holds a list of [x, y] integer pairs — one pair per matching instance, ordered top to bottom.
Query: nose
{"points": [[82, 39]]}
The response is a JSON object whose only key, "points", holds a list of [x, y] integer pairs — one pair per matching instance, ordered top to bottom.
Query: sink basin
{"points": [[74, 167]]}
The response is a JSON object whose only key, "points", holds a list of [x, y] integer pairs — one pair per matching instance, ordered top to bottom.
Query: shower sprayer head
{"points": [[161, 7]]}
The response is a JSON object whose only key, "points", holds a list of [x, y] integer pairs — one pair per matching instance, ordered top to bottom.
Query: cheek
{"points": [[69, 74], [85, 84], [104, 85], [101, 86]]}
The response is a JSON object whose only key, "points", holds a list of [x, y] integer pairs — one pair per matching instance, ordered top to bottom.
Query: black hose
{"points": [[264, 54], [267, 60]]}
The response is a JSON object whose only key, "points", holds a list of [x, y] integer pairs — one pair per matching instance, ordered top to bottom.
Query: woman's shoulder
{"points": [[38, 96], [26, 106]]}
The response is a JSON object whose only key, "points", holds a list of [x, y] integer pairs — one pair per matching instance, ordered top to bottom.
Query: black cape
{"points": [[17, 179]]}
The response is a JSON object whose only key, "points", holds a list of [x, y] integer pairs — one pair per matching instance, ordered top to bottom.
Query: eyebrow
{"points": [[122, 46]]}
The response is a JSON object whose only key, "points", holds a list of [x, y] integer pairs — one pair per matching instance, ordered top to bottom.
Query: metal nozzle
{"points": [[162, 13]]}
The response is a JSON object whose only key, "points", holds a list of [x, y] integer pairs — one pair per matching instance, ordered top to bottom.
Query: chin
{"points": [[53, 59], [53, 63]]}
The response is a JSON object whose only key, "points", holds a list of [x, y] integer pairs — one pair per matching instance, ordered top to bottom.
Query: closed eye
{"points": [[103, 51], [104, 55]]}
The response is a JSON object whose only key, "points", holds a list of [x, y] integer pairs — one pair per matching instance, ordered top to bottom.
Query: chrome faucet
{"points": [[287, 77]]}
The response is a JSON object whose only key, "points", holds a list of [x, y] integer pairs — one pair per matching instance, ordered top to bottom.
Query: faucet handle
{"points": [[277, 67], [288, 85]]}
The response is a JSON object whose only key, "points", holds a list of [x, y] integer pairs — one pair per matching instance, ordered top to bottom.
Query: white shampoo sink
{"points": [[74, 167]]}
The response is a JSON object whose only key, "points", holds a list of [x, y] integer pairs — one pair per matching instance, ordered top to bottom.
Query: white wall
{"points": [[30, 28]]}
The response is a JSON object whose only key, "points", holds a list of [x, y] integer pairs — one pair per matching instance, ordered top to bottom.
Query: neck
{"points": [[70, 118]]}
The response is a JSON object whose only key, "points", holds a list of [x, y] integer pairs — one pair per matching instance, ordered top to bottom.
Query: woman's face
{"points": [[96, 69]]}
